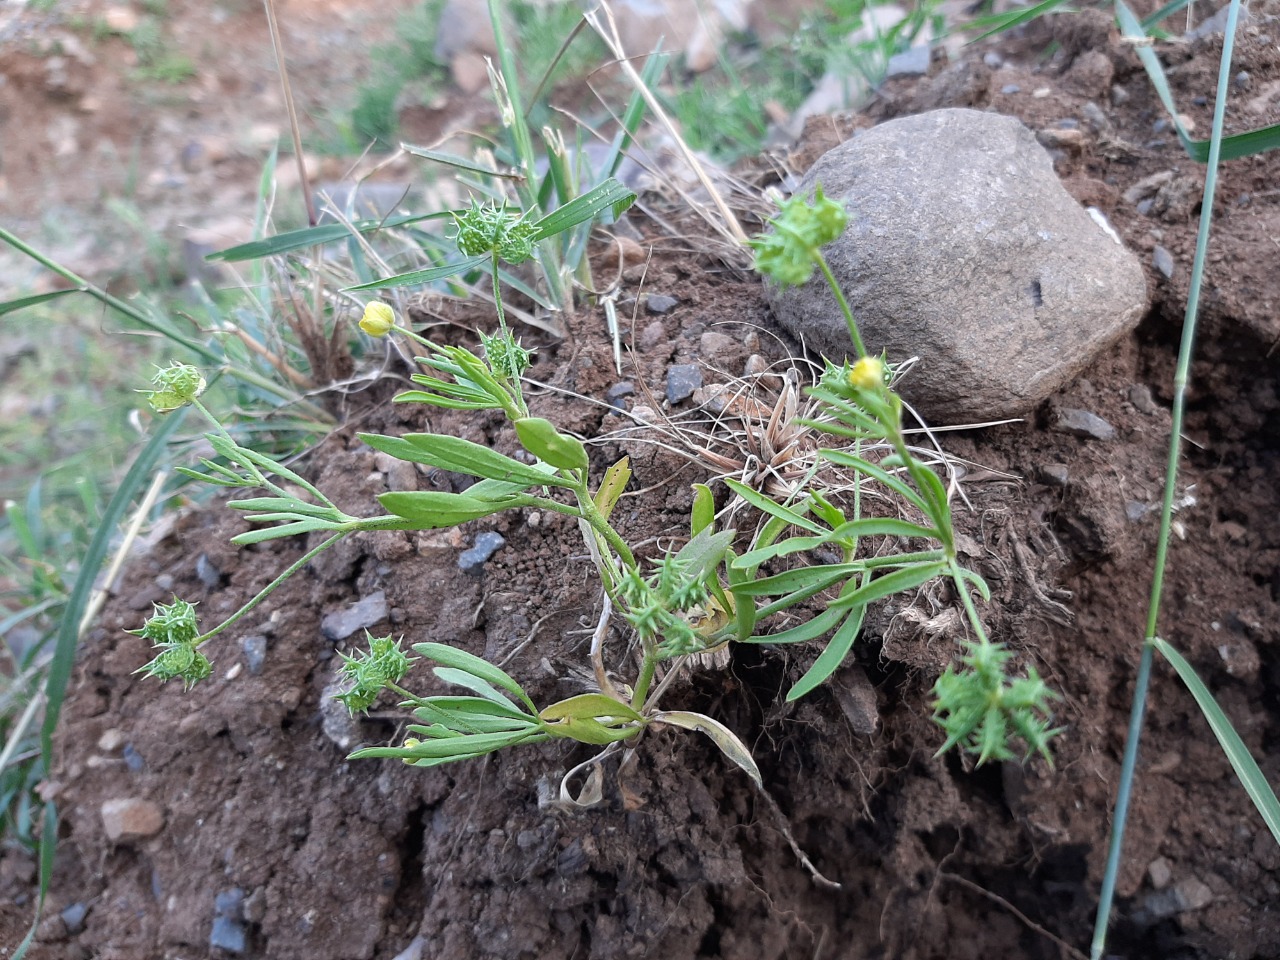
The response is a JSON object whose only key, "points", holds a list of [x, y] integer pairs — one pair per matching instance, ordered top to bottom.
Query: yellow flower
{"points": [[378, 319], [867, 374]]}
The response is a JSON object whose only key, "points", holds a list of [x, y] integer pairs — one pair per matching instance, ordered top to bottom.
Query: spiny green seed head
{"points": [[485, 228], [787, 254], [378, 320], [505, 355], [175, 386], [171, 624], [179, 662], [384, 663], [980, 709]]}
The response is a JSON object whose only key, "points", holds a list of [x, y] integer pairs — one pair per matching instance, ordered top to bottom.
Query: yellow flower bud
{"points": [[378, 319], [867, 374]]}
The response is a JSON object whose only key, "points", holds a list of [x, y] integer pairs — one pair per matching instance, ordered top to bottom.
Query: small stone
{"points": [[120, 19], [993, 60], [909, 63], [1243, 79], [1009, 89], [1119, 95], [1061, 139], [1148, 185], [1145, 206], [1162, 260], [660, 304], [652, 335], [714, 345], [682, 380], [615, 394], [1142, 400], [1082, 423], [1055, 474], [400, 475], [1134, 511], [486, 545], [209, 575], [359, 616], [255, 652], [111, 740], [132, 758], [131, 818], [1159, 872], [1192, 894], [229, 903], [255, 906], [73, 916], [228, 934], [413, 951]]}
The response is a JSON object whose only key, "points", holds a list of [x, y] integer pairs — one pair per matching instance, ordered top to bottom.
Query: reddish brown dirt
{"points": [[347, 860]]}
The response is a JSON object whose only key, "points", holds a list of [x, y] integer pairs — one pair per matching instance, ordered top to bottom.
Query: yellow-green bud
{"points": [[378, 320], [867, 374], [176, 386]]}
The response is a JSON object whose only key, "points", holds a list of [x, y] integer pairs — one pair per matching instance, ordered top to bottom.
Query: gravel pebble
{"points": [[658, 303], [682, 380], [1082, 423], [486, 545], [361, 615]]}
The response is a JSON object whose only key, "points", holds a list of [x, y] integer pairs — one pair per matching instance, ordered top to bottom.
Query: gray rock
{"points": [[909, 63], [1009, 89], [964, 249], [1162, 260], [658, 303], [653, 334], [682, 380], [616, 394], [1142, 400], [1082, 423], [1055, 474], [486, 545], [208, 574], [359, 616], [255, 652], [132, 758], [229, 904], [73, 916], [228, 934]]}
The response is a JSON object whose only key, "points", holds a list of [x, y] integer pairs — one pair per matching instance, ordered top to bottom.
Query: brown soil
{"points": [[341, 860]]}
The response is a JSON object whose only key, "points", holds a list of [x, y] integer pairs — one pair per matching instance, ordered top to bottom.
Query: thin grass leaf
{"points": [[1168, 10], [1000, 22], [1233, 147], [457, 162], [612, 194], [311, 237], [430, 275], [21, 303], [462, 456], [875, 472], [771, 507], [850, 530], [276, 533], [905, 578], [812, 579], [811, 629], [453, 657], [830, 658], [464, 678], [722, 736], [1246, 768]]}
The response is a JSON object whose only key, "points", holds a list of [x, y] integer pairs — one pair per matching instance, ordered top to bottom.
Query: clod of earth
{"points": [[965, 250]]}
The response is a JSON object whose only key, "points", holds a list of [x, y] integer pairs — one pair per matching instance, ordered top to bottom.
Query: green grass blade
{"points": [[1168, 10], [1000, 22], [1233, 147], [457, 162], [613, 194], [311, 237], [430, 275], [9, 306], [769, 507], [896, 581], [454, 657], [830, 658], [1251, 778]]}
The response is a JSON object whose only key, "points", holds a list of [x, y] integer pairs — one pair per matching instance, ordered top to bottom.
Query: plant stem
{"points": [[849, 320], [1180, 380], [263, 593], [970, 608], [647, 667]]}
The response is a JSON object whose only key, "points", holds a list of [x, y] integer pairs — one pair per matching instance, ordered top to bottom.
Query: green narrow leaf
{"points": [[1000, 22], [1233, 147], [457, 162], [611, 193], [311, 237], [429, 275], [21, 303], [541, 438], [461, 456], [877, 473], [611, 487], [770, 507], [433, 510], [703, 514], [275, 533], [968, 576], [805, 578], [890, 583], [809, 630], [453, 657], [830, 658], [468, 680], [593, 705], [722, 736], [1246, 768]]}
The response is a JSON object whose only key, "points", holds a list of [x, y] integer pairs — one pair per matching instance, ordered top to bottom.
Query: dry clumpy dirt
{"points": [[337, 860]]}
